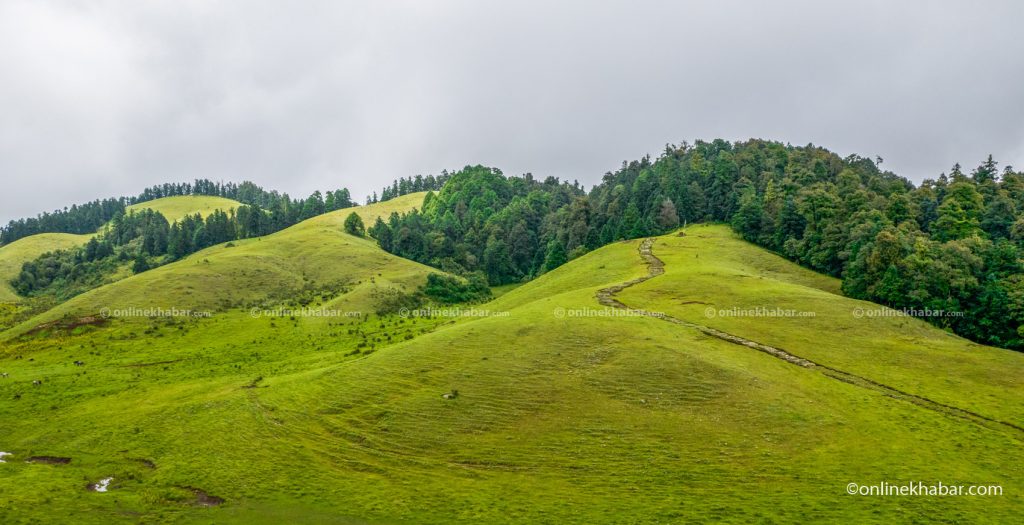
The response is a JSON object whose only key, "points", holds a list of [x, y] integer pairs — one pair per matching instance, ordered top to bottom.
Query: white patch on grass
{"points": [[2, 454], [102, 485]]}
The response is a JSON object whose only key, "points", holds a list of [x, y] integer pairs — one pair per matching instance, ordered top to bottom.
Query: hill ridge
{"points": [[656, 267]]}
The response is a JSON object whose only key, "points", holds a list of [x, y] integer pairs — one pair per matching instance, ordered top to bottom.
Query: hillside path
{"points": [[656, 267]]}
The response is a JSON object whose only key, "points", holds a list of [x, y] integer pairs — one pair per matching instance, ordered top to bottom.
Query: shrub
{"points": [[354, 225], [449, 289], [392, 301]]}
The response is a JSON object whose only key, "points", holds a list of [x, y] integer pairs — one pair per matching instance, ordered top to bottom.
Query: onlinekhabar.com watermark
{"points": [[756, 311], [152, 312], [257, 312], [451, 312], [579, 313], [872, 313], [920, 488]]}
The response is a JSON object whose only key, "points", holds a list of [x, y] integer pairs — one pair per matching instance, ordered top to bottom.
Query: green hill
{"points": [[176, 208], [13, 255], [313, 258], [711, 268], [566, 410]]}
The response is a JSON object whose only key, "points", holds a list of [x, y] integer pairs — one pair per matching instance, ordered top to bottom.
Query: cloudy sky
{"points": [[103, 98]]}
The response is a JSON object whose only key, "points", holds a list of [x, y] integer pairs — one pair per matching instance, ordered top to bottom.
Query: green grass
{"points": [[177, 207], [369, 214], [17, 253], [314, 257], [712, 268], [559, 418]]}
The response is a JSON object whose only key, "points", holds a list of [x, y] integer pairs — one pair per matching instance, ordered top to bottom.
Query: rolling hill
{"points": [[177, 207], [13, 255], [311, 258], [603, 391]]}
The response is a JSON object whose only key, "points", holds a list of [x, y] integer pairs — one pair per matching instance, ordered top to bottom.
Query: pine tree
{"points": [[382, 233], [555, 257], [141, 264]]}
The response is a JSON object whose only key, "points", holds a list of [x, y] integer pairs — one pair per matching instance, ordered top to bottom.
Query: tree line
{"points": [[407, 185], [89, 217], [951, 244]]}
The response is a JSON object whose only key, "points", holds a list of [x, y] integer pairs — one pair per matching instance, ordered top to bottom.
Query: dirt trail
{"points": [[656, 267]]}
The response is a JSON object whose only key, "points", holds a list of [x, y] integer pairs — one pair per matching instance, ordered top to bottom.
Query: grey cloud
{"points": [[103, 98]]}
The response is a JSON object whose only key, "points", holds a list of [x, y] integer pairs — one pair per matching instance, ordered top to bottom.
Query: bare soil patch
{"points": [[68, 325], [49, 460]]}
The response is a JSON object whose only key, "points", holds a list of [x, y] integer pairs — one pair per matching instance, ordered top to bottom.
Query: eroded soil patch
{"points": [[68, 325], [49, 460], [204, 499]]}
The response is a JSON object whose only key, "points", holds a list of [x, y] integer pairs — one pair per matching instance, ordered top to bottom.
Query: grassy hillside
{"points": [[176, 208], [369, 214], [13, 255], [312, 258], [711, 268], [560, 416]]}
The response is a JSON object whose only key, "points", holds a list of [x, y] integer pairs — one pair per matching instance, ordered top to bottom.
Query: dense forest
{"points": [[88, 217], [952, 244]]}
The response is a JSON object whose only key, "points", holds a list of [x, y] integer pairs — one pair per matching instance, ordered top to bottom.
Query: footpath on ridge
{"points": [[656, 267]]}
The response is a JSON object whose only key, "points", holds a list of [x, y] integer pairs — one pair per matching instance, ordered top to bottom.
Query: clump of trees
{"points": [[483, 221], [354, 225], [450, 289]]}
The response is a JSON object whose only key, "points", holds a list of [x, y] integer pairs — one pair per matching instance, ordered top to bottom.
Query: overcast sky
{"points": [[104, 98]]}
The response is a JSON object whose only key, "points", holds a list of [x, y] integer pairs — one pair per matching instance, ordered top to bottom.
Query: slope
{"points": [[177, 207], [17, 253], [13, 255], [312, 258], [713, 278], [566, 411]]}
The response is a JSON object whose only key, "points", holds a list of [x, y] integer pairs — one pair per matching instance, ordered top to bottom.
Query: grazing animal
{"points": [[3, 374], [36, 382]]}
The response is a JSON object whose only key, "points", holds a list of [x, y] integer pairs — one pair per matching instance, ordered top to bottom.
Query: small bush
{"points": [[449, 289], [392, 301]]}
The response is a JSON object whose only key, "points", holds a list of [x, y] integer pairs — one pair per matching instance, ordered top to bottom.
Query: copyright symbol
{"points": [[404, 312], [559, 312], [710, 312], [858, 312], [105, 313], [255, 313], [851, 488]]}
